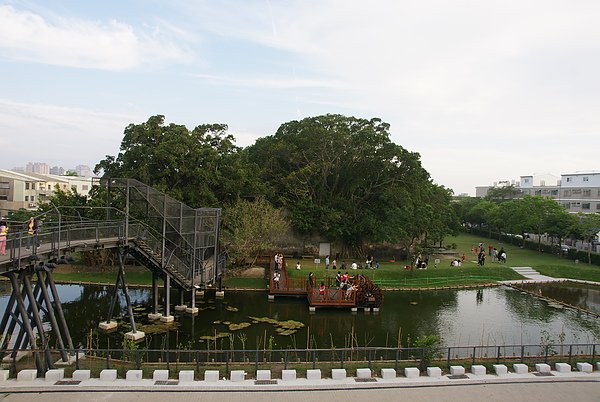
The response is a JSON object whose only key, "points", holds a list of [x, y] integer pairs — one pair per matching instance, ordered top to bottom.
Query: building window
{"points": [[585, 178], [568, 179], [526, 180], [6, 185], [26, 186], [33, 186], [49, 187], [84, 187], [74, 188], [576, 191], [538, 192], [553, 192], [567, 193], [587, 193], [5, 198], [26, 198], [32, 198], [567, 205], [585, 205], [598, 206]]}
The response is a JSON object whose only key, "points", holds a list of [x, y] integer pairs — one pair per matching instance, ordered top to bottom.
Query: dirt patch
{"points": [[254, 272]]}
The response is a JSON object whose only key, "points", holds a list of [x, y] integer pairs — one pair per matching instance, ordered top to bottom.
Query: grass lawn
{"points": [[545, 264], [392, 275]]}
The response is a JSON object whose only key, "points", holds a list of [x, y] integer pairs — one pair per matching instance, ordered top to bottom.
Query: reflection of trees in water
{"points": [[586, 297], [528, 308], [87, 311], [577, 326]]}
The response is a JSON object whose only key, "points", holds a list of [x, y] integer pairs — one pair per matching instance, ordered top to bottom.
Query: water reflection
{"points": [[583, 296], [492, 316]]}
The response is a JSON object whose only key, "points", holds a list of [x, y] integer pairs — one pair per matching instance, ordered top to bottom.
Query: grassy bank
{"points": [[392, 274]]}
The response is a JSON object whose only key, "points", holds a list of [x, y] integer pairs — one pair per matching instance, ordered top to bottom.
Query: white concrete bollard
{"points": [[598, 366], [563, 367], [584, 367], [520, 368], [542, 368], [478, 369], [500, 369], [457, 370], [412, 372], [434, 372], [363, 373], [388, 373], [4, 374], [313, 374], [338, 374], [26, 375], [54, 375], [82, 375], [108, 375], [133, 375], [160, 375], [211, 375], [237, 375], [262, 375], [288, 375], [188, 376]]}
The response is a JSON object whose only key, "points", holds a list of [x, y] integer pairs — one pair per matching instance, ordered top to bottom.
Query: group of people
{"points": [[31, 229], [499, 256], [420, 262], [343, 282]]}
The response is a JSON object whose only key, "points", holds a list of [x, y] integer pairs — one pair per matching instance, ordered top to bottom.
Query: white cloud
{"points": [[73, 42], [268, 82], [58, 135]]}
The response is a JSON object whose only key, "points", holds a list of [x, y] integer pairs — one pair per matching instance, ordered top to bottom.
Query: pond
{"points": [[580, 295], [489, 316]]}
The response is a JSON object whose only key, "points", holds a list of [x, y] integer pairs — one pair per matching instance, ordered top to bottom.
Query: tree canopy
{"points": [[334, 176], [343, 178]]}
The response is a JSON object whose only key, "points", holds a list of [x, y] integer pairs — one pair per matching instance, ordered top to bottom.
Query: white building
{"points": [[26, 190], [577, 192]]}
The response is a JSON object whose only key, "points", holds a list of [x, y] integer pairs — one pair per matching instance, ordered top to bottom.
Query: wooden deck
{"points": [[333, 296]]}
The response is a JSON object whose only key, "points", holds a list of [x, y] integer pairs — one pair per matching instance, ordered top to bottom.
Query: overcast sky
{"points": [[483, 90]]}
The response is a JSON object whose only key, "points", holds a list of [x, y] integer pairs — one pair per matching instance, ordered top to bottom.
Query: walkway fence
{"points": [[302, 359]]}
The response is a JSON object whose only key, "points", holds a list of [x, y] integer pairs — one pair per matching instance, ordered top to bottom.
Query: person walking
{"points": [[3, 234]]}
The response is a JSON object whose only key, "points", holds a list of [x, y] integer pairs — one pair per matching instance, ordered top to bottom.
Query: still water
{"points": [[490, 316]]}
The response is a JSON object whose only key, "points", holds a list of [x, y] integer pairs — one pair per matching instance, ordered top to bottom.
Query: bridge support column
{"points": [[167, 304], [181, 306], [51, 315], [154, 315], [26, 324]]}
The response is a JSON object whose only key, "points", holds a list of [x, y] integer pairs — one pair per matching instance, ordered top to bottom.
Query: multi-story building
{"points": [[37, 167], [83, 170], [23, 190], [577, 192]]}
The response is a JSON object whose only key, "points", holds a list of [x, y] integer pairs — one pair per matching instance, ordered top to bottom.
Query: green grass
{"points": [[545, 264], [392, 275]]}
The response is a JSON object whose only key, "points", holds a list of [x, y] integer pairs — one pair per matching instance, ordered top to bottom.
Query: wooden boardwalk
{"points": [[333, 296]]}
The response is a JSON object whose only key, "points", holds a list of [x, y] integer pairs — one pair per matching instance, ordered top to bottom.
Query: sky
{"points": [[482, 90]]}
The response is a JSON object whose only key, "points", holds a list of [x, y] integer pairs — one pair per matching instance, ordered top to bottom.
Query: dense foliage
{"points": [[337, 177]]}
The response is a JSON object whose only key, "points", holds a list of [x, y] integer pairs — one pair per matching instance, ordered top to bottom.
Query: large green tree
{"points": [[201, 167], [343, 178]]}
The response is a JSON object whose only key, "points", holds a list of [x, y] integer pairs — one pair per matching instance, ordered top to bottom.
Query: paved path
{"points": [[535, 277], [580, 390]]}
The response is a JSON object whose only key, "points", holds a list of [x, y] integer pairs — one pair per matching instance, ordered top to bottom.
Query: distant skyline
{"points": [[483, 91]]}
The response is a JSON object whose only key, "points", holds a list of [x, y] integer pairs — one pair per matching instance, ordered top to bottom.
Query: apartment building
{"points": [[25, 190], [577, 192]]}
